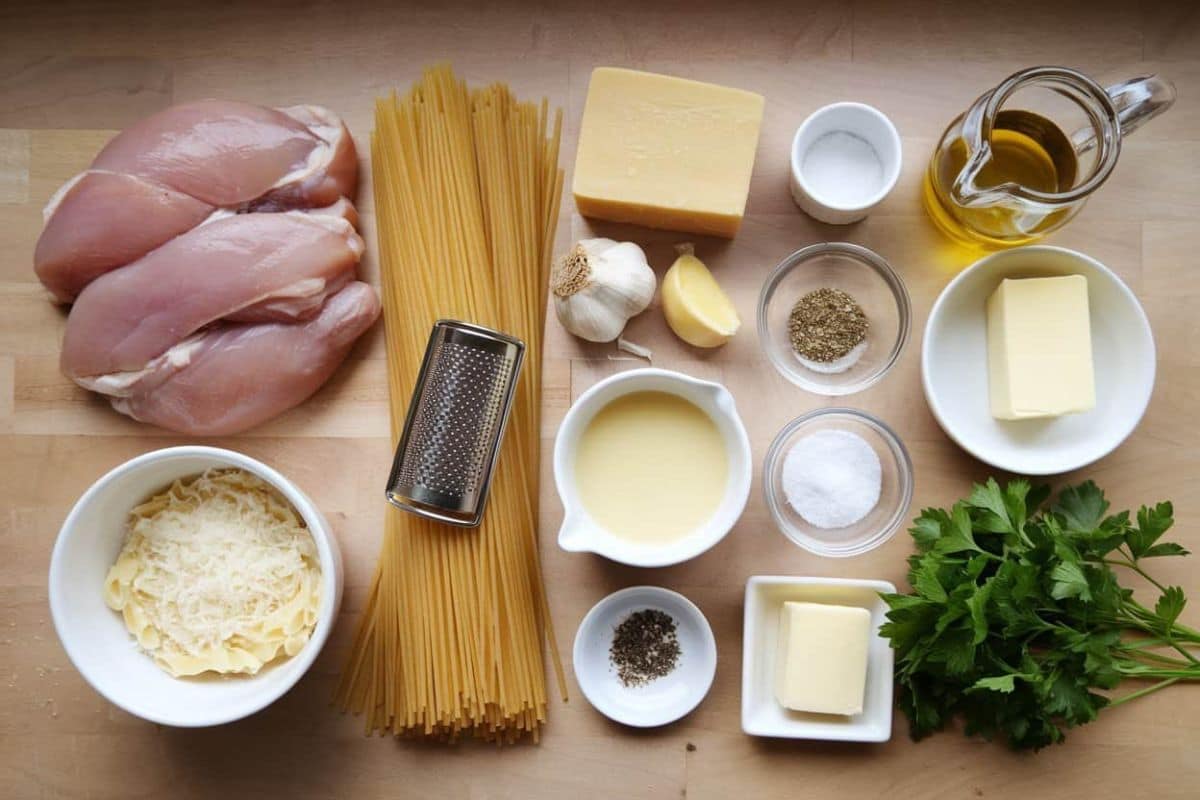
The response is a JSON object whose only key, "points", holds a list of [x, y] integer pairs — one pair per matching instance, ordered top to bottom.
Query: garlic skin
{"points": [[599, 285]]}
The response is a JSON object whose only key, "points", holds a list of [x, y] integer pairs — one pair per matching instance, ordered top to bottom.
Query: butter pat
{"points": [[666, 152], [1040, 348], [821, 661]]}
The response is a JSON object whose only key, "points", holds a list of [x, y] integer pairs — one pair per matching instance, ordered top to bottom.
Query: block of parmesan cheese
{"points": [[666, 152], [1040, 348], [821, 658]]}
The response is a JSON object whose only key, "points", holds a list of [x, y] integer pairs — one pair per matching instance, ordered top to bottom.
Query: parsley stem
{"points": [[1134, 566], [1177, 631], [1191, 634], [1170, 642], [1143, 643], [1159, 658], [1133, 669], [1143, 692]]}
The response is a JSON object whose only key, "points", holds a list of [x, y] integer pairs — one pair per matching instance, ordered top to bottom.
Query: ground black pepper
{"points": [[826, 324], [644, 647]]}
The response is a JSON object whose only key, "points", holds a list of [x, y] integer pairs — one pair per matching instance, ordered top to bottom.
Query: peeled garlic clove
{"points": [[599, 285]]}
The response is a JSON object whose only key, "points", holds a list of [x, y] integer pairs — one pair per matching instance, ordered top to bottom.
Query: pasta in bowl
{"points": [[193, 586]]}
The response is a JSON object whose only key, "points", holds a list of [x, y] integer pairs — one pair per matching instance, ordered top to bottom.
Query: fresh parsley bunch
{"points": [[1018, 617]]}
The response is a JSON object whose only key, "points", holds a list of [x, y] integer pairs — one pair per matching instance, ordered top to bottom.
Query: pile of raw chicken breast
{"points": [[210, 256]]}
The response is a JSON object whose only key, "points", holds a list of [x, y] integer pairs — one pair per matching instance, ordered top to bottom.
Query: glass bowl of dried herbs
{"points": [[833, 318]]}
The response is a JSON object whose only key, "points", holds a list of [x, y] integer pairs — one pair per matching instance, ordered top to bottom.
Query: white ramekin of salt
{"points": [[845, 160]]}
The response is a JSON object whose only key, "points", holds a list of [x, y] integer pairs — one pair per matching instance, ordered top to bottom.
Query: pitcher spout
{"points": [[966, 190], [572, 535]]}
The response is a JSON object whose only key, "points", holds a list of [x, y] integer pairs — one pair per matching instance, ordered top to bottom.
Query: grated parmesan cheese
{"points": [[217, 573]]}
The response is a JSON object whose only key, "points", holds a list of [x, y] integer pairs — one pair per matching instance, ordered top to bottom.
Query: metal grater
{"points": [[456, 419]]}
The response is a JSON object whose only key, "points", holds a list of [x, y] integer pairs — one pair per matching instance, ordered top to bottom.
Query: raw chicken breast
{"points": [[229, 154], [175, 169], [102, 220], [247, 267], [217, 386]]}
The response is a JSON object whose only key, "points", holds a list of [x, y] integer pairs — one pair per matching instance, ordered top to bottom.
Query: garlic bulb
{"points": [[599, 285]]}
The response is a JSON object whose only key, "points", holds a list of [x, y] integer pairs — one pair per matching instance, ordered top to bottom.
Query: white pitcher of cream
{"points": [[653, 467]]}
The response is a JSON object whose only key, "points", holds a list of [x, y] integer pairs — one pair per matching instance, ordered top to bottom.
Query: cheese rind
{"points": [[666, 152], [1040, 348], [821, 658]]}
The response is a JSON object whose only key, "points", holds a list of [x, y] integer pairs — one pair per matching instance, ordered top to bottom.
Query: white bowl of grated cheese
{"points": [[95, 636]]}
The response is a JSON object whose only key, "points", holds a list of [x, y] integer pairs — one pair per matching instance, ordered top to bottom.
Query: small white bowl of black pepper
{"points": [[833, 318], [645, 656]]}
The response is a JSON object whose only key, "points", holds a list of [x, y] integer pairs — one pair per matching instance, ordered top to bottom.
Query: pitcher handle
{"points": [[1137, 100]]}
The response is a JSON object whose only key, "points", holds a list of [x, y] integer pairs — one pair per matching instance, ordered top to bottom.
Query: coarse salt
{"points": [[832, 478]]}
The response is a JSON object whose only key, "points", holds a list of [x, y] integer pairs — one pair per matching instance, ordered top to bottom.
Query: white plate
{"points": [[954, 367], [95, 636], [660, 701], [761, 713]]}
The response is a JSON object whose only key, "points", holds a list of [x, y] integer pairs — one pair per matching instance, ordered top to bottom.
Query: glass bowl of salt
{"points": [[833, 318], [838, 482]]}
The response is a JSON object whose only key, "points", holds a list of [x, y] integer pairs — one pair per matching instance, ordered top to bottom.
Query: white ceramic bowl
{"points": [[863, 122], [954, 366], [895, 492], [581, 533], [95, 636], [660, 701], [762, 715]]}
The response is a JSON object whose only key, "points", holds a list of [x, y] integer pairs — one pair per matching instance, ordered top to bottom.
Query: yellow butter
{"points": [[666, 152], [1040, 348], [821, 661]]}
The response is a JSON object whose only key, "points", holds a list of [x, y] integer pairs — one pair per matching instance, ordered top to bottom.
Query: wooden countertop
{"points": [[70, 73]]}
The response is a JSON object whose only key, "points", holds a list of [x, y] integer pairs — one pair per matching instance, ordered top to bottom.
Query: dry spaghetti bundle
{"points": [[467, 188]]}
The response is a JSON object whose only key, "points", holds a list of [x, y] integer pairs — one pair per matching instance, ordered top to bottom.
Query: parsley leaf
{"points": [[990, 501], [1082, 506], [1152, 524], [956, 532], [1069, 581], [1170, 606]]}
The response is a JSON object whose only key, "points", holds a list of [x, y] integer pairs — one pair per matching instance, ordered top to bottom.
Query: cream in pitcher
{"points": [[1026, 155]]}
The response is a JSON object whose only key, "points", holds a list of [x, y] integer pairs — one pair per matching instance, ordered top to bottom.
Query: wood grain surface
{"points": [[72, 72]]}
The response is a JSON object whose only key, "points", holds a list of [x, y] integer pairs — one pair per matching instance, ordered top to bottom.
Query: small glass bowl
{"points": [[860, 273], [895, 495]]}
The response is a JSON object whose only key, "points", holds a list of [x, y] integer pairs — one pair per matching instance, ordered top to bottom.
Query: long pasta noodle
{"points": [[467, 192]]}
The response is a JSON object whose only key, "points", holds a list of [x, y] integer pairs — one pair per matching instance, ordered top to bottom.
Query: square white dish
{"points": [[761, 713]]}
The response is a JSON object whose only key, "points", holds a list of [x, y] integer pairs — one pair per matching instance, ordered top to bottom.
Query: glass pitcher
{"points": [[1024, 157]]}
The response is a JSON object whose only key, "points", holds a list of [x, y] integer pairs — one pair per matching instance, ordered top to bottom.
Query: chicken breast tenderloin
{"points": [[231, 154], [178, 168], [102, 220], [246, 268], [217, 387]]}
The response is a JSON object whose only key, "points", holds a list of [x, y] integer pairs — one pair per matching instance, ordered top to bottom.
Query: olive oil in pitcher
{"points": [[1027, 150], [1003, 174]]}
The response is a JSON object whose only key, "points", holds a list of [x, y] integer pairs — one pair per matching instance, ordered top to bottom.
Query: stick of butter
{"points": [[666, 152], [1040, 348], [821, 658]]}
